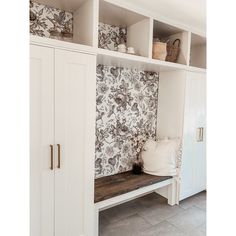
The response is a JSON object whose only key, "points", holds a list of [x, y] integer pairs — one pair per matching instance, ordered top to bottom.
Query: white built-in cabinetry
{"points": [[142, 28], [182, 104], [63, 105], [62, 128], [193, 171], [42, 178]]}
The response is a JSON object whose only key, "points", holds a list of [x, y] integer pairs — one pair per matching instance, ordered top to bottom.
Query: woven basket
{"points": [[159, 51], [173, 51]]}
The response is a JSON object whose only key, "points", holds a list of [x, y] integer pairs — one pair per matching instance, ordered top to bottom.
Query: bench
{"points": [[119, 188]]}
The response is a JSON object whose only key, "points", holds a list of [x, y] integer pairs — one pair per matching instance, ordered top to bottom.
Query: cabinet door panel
{"points": [[75, 89], [41, 136], [200, 158], [193, 173]]}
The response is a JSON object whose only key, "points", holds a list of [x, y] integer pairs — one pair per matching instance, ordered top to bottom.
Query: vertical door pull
{"points": [[202, 130], [199, 134], [51, 149], [59, 156]]}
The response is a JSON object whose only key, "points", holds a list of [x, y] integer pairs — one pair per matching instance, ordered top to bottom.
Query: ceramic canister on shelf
{"points": [[121, 48], [130, 50]]}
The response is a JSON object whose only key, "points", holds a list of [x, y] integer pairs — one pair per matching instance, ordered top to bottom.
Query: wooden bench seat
{"points": [[115, 185], [117, 189]]}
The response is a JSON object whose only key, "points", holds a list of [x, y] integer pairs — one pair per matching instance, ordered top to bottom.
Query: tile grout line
{"points": [[165, 218], [149, 225], [177, 227], [189, 230]]}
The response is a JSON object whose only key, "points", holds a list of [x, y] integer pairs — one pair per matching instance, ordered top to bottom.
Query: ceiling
{"points": [[188, 12]]}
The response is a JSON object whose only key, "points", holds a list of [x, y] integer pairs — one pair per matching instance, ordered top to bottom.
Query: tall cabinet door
{"points": [[75, 90], [41, 137], [200, 158], [193, 171]]}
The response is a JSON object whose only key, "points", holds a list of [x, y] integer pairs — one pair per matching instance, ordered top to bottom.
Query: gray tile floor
{"points": [[151, 216]]}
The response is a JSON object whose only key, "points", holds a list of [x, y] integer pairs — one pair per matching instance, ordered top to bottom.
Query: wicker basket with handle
{"points": [[173, 51]]}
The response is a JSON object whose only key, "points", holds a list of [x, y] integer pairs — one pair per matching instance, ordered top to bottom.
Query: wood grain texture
{"points": [[115, 185]]}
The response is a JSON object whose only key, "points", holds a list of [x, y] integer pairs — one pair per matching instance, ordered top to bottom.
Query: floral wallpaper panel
{"points": [[44, 18], [110, 36], [126, 107]]}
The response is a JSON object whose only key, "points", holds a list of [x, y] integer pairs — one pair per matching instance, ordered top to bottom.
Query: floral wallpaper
{"points": [[43, 19], [110, 36], [126, 107]]}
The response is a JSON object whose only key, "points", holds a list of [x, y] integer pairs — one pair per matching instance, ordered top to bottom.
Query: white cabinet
{"points": [[63, 89], [181, 113], [41, 137], [193, 173]]}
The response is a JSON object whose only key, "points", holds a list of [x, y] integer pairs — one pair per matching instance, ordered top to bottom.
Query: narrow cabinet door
{"points": [[75, 90], [41, 137], [189, 140], [200, 158], [193, 171]]}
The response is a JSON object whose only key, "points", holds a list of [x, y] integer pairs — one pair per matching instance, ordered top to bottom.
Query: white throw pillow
{"points": [[159, 157]]}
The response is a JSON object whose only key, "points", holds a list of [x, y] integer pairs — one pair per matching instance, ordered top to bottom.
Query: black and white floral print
{"points": [[45, 18], [110, 36], [126, 106]]}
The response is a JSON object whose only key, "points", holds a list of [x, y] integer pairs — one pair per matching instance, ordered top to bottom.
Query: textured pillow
{"points": [[159, 157]]}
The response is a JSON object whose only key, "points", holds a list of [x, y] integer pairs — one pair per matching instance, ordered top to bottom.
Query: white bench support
{"points": [[172, 194], [103, 205], [96, 222]]}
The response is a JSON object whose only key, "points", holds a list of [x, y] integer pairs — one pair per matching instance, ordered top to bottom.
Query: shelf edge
{"points": [[47, 42]]}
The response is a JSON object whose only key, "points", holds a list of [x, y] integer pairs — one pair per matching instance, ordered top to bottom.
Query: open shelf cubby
{"points": [[75, 15], [118, 25], [102, 26], [164, 32], [198, 51]]}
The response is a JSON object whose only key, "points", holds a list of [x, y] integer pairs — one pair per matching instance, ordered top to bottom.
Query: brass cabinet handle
{"points": [[202, 129], [199, 134], [51, 148], [59, 156]]}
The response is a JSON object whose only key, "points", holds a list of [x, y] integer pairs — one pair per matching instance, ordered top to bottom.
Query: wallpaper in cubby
{"points": [[44, 18], [110, 36], [126, 106]]}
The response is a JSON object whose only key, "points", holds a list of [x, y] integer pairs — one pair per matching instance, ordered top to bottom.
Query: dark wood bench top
{"points": [[115, 185]]}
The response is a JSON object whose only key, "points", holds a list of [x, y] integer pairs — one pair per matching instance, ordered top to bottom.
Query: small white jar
{"points": [[121, 48], [130, 50]]}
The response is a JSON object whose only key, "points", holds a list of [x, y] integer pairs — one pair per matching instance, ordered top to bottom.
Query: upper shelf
{"points": [[103, 25], [118, 25], [168, 33], [112, 58]]}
